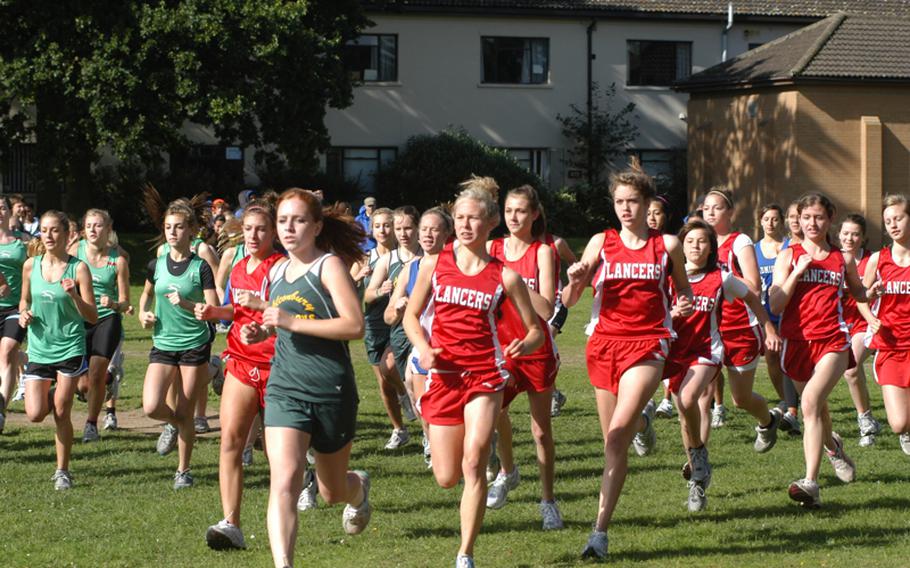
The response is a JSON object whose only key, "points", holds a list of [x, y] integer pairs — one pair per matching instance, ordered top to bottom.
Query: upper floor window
{"points": [[372, 57], [516, 60], [659, 63], [535, 160], [359, 165]]}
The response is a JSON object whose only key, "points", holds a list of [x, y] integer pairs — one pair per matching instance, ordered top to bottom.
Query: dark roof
{"points": [[809, 9], [840, 47]]}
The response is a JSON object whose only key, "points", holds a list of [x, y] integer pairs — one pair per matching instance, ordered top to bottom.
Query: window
{"points": [[372, 57], [516, 60], [659, 63], [535, 160], [655, 163], [359, 164], [18, 170]]}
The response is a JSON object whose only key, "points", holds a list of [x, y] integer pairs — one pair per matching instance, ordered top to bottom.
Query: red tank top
{"points": [[258, 283], [631, 295], [893, 307], [814, 309], [463, 310], [851, 313], [736, 315], [509, 325], [699, 334]]}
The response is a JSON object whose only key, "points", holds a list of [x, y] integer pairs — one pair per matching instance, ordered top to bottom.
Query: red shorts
{"points": [[859, 326], [743, 347], [798, 357], [609, 359], [677, 367], [892, 368], [249, 374], [534, 375], [449, 391]]}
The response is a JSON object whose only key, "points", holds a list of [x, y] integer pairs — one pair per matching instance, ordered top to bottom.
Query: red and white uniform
{"points": [[630, 318], [856, 323], [463, 324], [812, 324], [741, 334], [892, 362], [250, 364], [536, 371]]}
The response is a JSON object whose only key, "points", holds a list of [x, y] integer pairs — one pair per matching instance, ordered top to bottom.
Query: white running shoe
{"points": [[217, 368], [20, 392], [557, 402], [407, 409], [665, 409], [719, 416], [110, 421], [790, 423], [201, 424], [869, 427], [90, 433], [766, 437], [398, 439], [167, 441], [644, 441], [905, 442], [427, 455], [310, 457], [493, 463], [843, 465], [701, 469], [62, 479], [183, 479], [499, 491], [805, 492], [307, 499], [697, 499], [552, 518], [355, 519], [225, 536], [596, 547], [464, 561]]}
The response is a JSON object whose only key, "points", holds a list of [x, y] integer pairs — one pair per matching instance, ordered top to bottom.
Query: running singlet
{"points": [[239, 254], [12, 256], [766, 272], [104, 279], [257, 283], [631, 294], [893, 307], [814, 309], [373, 312], [463, 312], [851, 313], [738, 315], [509, 325], [177, 329], [57, 330], [699, 333], [398, 338], [305, 367]]}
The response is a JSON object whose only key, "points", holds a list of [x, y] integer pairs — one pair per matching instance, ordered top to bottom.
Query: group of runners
{"points": [[456, 326]]}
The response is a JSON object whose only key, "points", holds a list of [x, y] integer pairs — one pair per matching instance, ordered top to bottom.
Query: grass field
{"points": [[123, 512]]}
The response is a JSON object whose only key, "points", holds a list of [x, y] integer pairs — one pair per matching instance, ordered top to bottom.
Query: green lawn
{"points": [[123, 512]]}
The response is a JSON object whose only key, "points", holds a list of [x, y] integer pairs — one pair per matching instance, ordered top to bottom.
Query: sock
{"points": [[112, 411], [92, 422]]}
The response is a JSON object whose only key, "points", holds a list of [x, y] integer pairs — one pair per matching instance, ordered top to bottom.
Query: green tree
{"points": [[80, 78]]}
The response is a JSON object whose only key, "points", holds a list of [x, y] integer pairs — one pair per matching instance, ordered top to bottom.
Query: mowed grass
{"points": [[123, 511]]}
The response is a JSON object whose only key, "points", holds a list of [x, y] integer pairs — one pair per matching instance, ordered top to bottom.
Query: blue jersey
{"points": [[766, 271]]}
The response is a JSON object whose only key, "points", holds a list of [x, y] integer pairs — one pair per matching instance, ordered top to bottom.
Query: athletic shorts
{"points": [[560, 314], [9, 325], [858, 326], [102, 338], [376, 340], [743, 348], [191, 357], [798, 357], [609, 359], [414, 364], [679, 364], [72, 367], [892, 368], [250, 374], [529, 375], [448, 392], [331, 425]]}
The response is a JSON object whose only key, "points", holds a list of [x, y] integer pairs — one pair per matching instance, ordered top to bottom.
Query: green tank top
{"points": [[239, 254], [12, 256], [104, 279], [373, 313], [177, 329], [57, 330], [308, 368]]}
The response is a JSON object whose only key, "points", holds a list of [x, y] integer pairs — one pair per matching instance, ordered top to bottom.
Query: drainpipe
{"points": [[723, 35], [590, 57]]}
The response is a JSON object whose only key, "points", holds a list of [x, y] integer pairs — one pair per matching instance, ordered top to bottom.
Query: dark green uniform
{"points": [[377, 333]]}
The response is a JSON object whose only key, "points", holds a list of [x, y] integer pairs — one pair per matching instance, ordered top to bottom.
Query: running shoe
{"points": [[217, 374], [115, 379], [20, 392], [557, 402], [407, 409], [665, 409], [719, 416], [110, 421], [790, 423], [201, 424], [869, 427], [90, 433], [766, 436], [398, 439], [645, 440], [167, 441], [905, 442], [427, 456], [246, 458], [493, 464], [843, 465], [701, 469], [687, 471], [62, 479], [183, 479], [499, 491], [805, 492], [307, 499], [697, 499], [552, 518], [355, 519], [225, 536], [597, 546], [464, 561]]}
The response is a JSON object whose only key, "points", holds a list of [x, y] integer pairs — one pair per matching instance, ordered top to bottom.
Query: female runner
{"points": [[657, 221], [13, 254], [808, 284], [461, 289], [56, 304], [629, 330], [742, 337], [311, 397]]}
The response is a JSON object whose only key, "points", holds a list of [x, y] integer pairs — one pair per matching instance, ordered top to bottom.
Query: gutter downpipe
{"points": [[723, 35], [590, 59]]}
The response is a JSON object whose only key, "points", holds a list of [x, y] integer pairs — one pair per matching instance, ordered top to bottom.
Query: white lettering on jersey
{"points": [[466, 297]]}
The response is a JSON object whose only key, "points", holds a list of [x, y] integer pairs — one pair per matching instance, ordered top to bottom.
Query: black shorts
{"points": [[560, 313], [9, 325], [102, 338], [190, 358], [72, 367], [331, 425]]}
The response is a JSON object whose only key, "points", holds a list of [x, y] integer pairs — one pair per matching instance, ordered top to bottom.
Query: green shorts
{"points": [[376, 340], [401, 349], [331, 425]]}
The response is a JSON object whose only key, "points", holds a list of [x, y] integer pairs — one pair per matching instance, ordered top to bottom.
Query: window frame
{"points": [[677, 43], [394, 79], [546, 80], [335, 159]]}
